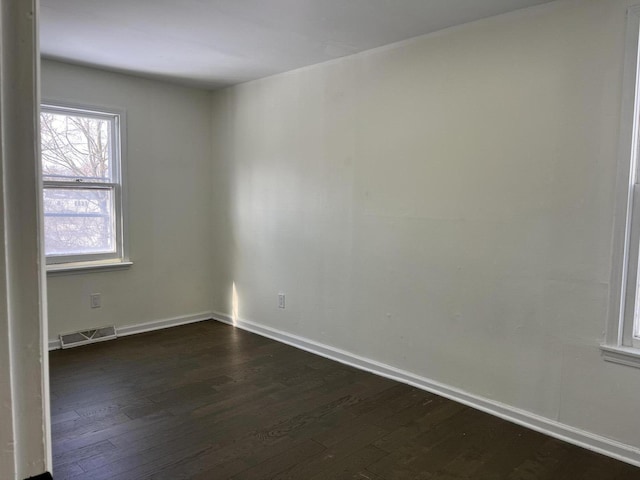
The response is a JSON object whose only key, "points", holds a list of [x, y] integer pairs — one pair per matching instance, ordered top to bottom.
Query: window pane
{"points": [[76, 147], [78, 221]]}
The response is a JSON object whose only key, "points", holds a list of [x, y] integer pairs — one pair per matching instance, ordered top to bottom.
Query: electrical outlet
{"points": [[95, 300], [281, 300]]}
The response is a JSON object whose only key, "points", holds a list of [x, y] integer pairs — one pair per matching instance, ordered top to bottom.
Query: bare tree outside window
{"points": [[75, 147], [79, 182]]}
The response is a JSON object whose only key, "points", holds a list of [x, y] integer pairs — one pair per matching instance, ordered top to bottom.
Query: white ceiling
{"points": [[212, 43]]}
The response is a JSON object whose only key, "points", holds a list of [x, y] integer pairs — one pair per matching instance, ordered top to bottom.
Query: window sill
{"points": [[87, 267], [622, 355]]}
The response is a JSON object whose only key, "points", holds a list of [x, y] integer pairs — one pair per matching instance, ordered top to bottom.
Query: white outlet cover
{"points": [[95, 300]]}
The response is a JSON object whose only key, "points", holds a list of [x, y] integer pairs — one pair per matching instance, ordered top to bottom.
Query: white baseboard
{"points": [[160, 324], [151, 326], [582, 438]]}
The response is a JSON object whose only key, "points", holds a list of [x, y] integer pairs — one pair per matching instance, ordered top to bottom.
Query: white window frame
{"points": [[110, 260], [622, 343]]}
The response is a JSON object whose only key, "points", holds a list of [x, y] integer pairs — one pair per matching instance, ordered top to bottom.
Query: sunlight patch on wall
{"points": [[234, 304]]}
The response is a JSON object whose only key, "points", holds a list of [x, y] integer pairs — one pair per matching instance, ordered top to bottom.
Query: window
{"points": [[81, 159], [622, 343]]}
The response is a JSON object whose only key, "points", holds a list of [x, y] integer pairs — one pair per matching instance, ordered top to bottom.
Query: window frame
{"points": [[108, 260], [621, 345]]}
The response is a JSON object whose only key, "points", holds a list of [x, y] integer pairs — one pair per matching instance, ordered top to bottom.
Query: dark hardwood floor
{"points": [[207, 401]]}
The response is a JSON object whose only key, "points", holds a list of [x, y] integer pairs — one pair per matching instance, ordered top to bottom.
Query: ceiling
{"points": [[213, 43]]}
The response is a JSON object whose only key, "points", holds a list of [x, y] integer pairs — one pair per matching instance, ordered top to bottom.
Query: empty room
{"points": [[320, 239]]}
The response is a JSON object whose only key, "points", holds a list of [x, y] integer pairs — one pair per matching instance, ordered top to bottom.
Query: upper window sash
{"points": [[114, 120]]}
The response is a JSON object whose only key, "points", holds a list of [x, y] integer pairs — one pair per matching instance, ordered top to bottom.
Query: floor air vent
{"points": [[75, 339]]}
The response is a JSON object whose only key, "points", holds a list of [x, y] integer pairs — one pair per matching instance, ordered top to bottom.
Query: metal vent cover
{"points": [[75, 339]]}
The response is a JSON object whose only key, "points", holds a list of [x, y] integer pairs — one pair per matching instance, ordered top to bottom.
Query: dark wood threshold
{"points": [[42, 476]]}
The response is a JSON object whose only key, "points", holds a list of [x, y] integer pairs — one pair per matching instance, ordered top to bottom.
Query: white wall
{"points": [[169, 195], [443, 205]]}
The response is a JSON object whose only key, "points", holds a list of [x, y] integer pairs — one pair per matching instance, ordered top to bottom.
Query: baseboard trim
{"points": [[160, 324], [151, 326], [575, 436]]}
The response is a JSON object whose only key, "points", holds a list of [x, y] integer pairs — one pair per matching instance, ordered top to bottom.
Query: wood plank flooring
{"points": [[206, 401]]}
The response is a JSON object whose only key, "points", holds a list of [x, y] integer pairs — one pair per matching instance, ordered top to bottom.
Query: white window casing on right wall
{"points": [[622, 343]]}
